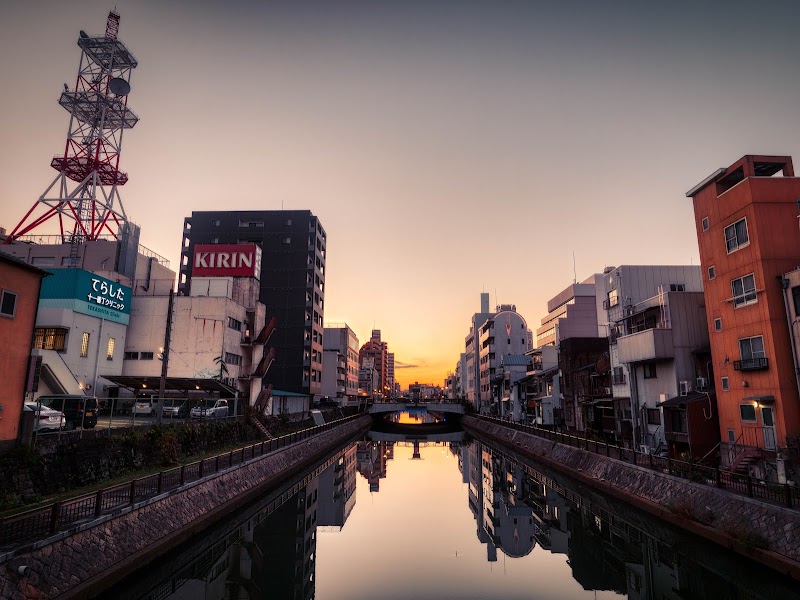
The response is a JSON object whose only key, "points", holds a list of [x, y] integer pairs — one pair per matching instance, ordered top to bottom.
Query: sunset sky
{"points": [[448, 148]]}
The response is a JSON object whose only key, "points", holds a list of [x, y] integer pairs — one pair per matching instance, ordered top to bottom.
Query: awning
{"points": [[179, 384]]}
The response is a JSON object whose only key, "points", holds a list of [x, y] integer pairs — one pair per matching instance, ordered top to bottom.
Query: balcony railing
{"points": [[751, 364]]}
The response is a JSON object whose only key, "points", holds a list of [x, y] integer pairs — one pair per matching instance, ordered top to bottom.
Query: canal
{"points": [[455, 519]]}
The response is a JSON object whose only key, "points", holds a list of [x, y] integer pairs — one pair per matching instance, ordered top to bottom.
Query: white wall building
{"points": [[340, 364]]}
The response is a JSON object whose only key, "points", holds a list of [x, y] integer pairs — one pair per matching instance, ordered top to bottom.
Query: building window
{"points": [[215, 223], [705, 223], [736, 235], [287, 240], [712, 272], [677, 287], [744, 291], [613, 298], [796, 299], [8, 304], [234, 324], [717, 324], [49, 338], [84, 345], [751, 348], [110, 349], [131, 356], [146, 356], [233, 359], [649, 370], [618, 376], [725, 384], [683, 388], [748, 413], [653, 416], [678, 418], [731, 436]]}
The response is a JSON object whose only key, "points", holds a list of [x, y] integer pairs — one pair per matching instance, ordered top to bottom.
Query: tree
{"points": [[223, 368]]}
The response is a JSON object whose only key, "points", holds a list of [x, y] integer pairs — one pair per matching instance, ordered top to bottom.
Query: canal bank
{"points": [[760, 531], [82, 563]]}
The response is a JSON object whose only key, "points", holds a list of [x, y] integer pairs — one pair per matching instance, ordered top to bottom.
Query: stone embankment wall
{"points": [[767, 533], [81, 564]]}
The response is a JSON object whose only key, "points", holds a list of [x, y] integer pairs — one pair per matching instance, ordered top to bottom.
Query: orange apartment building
{"points": [[746, 217], [19, 299]]}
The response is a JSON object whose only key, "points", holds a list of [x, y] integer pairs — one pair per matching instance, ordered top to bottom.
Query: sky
{"points": [[448, 148]]}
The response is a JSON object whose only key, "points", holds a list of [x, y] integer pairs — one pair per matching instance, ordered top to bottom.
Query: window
{"points": [[215, 223], [705, 223], [736, 235], [287, 240], [43, 261], [70, 261], [712, 272], [677, 287], [744, 291], [613, 298], [796, 300], [8, 304], [234, 324], [717, 324], [49, 338], [84, 345], [752, 347], [110, 349], [131, 356], [146, 356], [233, 359], [649, 370], [618, 376], [725, 384], [684, 388], [748, 413], [653, 416], [678, 420], [731, 436]]}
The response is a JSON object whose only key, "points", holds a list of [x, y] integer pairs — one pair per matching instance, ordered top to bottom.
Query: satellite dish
{"points": [[119, 86]]}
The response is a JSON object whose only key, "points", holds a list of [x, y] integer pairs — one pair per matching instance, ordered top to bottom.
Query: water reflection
{"points": [[466, 521]]}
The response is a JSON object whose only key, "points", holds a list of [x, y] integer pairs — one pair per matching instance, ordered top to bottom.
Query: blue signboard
{"points": [[86, 293]]}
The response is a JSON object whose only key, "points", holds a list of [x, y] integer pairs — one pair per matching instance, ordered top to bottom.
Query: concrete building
{"points": [[747, 231], [292, 274], [19, 296], [656, 315], [506, 332], [376, 352], [340, 364], [472, 377], [369, 379], [391, 383], [509, 389], [337, 491]]}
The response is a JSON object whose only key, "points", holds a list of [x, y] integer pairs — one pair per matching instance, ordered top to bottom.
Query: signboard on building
{"points": [[226, 260], [86, 293]]}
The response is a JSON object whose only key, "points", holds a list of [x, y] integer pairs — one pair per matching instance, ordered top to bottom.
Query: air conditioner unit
{"points": [[702, 383], [684, 388]]}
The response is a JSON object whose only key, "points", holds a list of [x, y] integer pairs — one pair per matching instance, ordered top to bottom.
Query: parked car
{"points": [[146, 405], [175, 409], [209, 409], [79, 411], [46, 419]]}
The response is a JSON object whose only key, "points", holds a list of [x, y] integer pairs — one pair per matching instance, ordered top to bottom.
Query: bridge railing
{"points": [[760, 489], [42, 522]]}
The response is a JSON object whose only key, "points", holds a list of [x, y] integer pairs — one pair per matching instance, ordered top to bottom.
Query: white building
{"points": [[340, 364], [471, 373]]}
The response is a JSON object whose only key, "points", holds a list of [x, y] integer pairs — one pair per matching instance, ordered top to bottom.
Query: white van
{"points": [[146, 405]]}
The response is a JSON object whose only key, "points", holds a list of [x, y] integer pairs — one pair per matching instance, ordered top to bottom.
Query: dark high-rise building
{"points": [[292, 283]]}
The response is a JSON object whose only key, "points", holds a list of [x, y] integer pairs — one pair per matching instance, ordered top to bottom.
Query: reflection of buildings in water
{"points": [[371, 460], [337, 491], [285, 544]]}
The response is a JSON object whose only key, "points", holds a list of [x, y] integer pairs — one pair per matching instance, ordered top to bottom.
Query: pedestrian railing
{"points": [[784, 494], [39, 523]]}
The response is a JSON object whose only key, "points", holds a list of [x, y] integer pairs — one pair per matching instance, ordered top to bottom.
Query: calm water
{"points": [[460, 520]]}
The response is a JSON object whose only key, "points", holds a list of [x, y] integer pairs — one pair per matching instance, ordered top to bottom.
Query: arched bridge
{"points": [[453, 408]]}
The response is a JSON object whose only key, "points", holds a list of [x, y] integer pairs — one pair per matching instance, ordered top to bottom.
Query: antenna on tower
{"points": [[84, 196], [574, 271]]}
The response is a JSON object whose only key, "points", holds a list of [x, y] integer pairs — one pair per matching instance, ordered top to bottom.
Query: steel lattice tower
{"points": [[84, 196]]}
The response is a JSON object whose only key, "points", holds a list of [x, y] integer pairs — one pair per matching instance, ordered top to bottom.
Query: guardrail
{"points": [[759, 489], [45, 521]]}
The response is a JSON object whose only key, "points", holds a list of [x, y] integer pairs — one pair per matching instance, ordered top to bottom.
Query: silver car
{"points": [[210, 409], [46, 419]]}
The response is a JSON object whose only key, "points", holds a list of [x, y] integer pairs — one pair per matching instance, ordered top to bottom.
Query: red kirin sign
{"points": [[226, 260]]}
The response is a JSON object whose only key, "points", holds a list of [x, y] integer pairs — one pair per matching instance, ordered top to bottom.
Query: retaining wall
{"points": [[766, 532], [82, 563]]}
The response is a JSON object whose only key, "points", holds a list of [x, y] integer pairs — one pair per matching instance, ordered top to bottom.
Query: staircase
{"points": [[265, 334], [265, 363], [741, 456]]}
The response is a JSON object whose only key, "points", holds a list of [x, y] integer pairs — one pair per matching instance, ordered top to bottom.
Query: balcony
{"points": [[642, 346], [751, 364]]}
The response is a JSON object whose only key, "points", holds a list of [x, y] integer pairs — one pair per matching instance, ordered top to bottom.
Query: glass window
{"points": [[705, 223], [736, 235], [712, 272], [744, 290], [613, 298], [796, 299], [8, 304], [717, 324], [49, 338], [84, 345], [752, 347], [110, 349], [131, 356], [146, 356], [649, 370], [725, 383], [748, 413], [653, 416]]}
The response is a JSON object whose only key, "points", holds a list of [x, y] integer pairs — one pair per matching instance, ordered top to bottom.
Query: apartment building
{"points": [[340, 363], [471, 377]]}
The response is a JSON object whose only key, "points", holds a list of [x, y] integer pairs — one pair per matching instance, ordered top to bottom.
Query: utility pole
{"points": [[165, 360]]}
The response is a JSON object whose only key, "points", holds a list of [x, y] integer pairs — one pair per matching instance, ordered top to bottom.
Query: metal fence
{"points": [[760, 489], [42, 522]]}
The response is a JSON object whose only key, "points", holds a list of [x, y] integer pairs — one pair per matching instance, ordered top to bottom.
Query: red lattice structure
{"points": [[84, 196]]}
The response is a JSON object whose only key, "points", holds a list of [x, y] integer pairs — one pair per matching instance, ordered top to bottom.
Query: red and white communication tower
{"points": [[84, 197]]}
